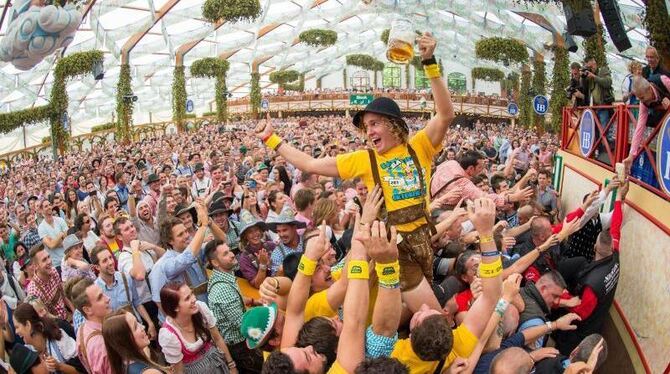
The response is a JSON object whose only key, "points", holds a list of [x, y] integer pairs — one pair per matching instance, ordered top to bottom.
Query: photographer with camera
{"points": [[599, 83], [577, 92]]}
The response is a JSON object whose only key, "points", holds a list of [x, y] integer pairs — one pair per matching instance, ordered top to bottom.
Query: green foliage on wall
{"points": [[656, 21], [594, 46], [217, 68], [560, 79], [538, 87], [255, 94], [179, 97], [525, 105], [124, 108], [12, 120], [104, 126]]}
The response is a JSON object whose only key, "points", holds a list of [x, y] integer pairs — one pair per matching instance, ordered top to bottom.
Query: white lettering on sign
{"points": [[540, 107], [586, 140], [666, 175]]}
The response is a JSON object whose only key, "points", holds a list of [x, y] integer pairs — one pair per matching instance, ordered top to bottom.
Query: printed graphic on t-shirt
{"points": [[403, 178]]}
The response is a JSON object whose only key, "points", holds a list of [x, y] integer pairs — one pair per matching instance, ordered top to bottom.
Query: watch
{"points": [[549, 325]]}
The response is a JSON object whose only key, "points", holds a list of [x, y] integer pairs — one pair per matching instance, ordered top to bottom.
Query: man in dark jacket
{"points": [[538, 299]]}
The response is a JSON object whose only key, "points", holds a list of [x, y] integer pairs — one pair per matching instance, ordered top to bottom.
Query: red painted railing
{"points": [[606, 153]]}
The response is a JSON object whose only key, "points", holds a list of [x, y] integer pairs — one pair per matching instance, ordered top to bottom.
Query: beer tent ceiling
{"points": [[457, 24]]}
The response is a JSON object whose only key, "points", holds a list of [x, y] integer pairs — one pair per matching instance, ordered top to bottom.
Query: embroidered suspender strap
{"points": [[424, 188], [383, 213]]}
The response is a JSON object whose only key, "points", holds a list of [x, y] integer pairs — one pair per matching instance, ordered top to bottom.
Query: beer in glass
{"points": [[400, 49]]}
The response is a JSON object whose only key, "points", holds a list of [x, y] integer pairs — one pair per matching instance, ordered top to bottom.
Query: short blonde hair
{"points": [[635, 68]]}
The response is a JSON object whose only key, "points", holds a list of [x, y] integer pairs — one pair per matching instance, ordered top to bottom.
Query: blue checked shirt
{"points": [[280, 253], [118, 297], [378, 345]]}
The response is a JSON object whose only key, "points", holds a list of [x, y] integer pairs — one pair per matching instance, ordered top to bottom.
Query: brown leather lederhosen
{"points": [[415, 253]]}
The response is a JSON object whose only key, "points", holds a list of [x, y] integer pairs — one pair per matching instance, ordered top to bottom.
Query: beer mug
{"points": [[400, 49]]}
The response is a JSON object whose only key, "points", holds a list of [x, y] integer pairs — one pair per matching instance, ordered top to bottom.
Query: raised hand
{"points": [[427, 45], [264, 129], [623, 191], [521, 194], [589, 200], [372, 205], [482, 214], [569, 228], [550, 242], [316, 247], [381, 249], [263, 257], [511, 286], [565, 323], [542, 353]]}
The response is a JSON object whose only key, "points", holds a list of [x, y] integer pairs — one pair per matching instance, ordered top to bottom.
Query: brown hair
{"points": [[303, 199], [323, 209], [118, 222], [166, 230], [37, 248], [94, 254], [75, 291], [170, 302], [45, 326], [322, 336], [433, 339], [120, 343]]}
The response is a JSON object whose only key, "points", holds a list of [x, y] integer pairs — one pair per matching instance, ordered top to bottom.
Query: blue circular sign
{"points": [[265, 104], [540, 104], [189, 106], [513, 109], [587, 132], [663, 155]]}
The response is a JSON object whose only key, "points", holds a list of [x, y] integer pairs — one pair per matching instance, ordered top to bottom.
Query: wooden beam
{"points": [[87, 9], [4, 11], [539, 20], [135, 38], [186, 47]]}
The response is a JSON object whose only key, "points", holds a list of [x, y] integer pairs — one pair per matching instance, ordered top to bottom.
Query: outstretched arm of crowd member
{"points": [[438, 125], [322, 166], [521, 184], [132, 205], [482, 215], [617, 215], [185, 259], [520, 265], [138, 272], [510, 288], [275, 290], [297, 297], [388, 307], [351, 347]]}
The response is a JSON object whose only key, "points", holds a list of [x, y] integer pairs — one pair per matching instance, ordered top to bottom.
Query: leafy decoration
{"points": [[231, 10], [656, 21], [385, 36], [318, 37], [594, 46], [504, 50], [366, 62], [71, 66], [215, 68], [486, 74], [283, 77], [344, 77], [559, 81], [511, 84], [298, 87], [538, 87], [255, 94], [179, 97], [525, 105], [124, 107], [12, 120], [104, 126]]}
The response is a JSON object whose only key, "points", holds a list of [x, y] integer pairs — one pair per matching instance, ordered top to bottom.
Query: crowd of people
{"points": [[309, 245]]}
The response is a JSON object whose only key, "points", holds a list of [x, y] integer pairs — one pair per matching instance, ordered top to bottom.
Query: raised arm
{"points": [[444, 108], [322, 166], [482, 215], [617, 215], [524, 262], [138, 272], [297, 297], [388, 307], [351, 348]]}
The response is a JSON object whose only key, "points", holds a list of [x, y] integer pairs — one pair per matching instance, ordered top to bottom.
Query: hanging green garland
{"points": [[231, 10], [656, 21], [385, 36], [318, 37], [594, 46], [503, 50], [366, 62], [68, 67], [211, 67], [486, 74], [283, 77], [559, 81], [511, 83], [297, 87], [539, 88], [255, 94], [179, 97], [525, 105], [124, 107], [13, 120]]}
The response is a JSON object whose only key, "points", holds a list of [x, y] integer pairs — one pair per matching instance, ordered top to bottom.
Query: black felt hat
{"points": [[384, 106]]}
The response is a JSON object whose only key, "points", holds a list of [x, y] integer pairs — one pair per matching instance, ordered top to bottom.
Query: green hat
{"points": [[243, 150], [257, 324]]}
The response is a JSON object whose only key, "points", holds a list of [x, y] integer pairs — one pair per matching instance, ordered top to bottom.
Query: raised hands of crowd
{"points": [[451, 195], [372, 205], [482, 213], [569, 228]]}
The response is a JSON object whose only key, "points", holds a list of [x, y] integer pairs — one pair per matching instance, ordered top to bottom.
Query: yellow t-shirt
{"points": [[399, 177], [113, 246], [317, 306], [464, 343], [336, 368]]}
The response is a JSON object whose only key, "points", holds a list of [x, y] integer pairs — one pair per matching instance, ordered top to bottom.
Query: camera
{"points": [[584, 72]]}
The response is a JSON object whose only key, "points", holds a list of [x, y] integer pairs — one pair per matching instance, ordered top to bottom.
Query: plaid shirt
{"points": [[31, 238], [280, 252], [50, 292], [227, 305]]}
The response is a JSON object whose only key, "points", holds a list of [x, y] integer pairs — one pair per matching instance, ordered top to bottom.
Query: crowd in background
{"points": [[181, 253]]}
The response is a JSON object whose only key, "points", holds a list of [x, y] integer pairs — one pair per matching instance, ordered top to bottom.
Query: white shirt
{"points": [[52, 231], [126, 263], [170, 342]]}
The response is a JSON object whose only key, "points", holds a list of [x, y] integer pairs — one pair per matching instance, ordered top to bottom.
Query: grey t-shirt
{"points": [[52, 231]]}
